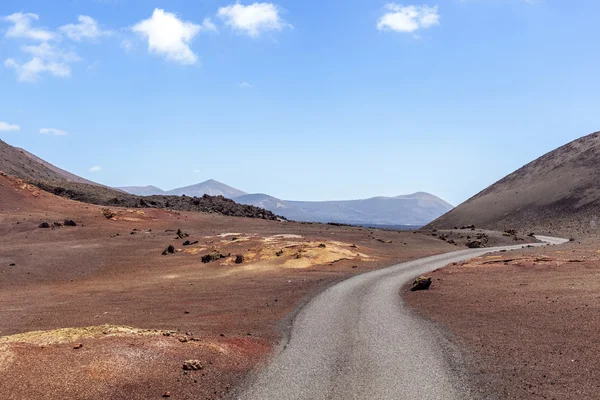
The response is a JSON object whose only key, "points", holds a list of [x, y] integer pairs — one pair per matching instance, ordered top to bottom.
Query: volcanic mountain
{"points": [[24, 165], [210, 187], [559, 193], [415, 209]]}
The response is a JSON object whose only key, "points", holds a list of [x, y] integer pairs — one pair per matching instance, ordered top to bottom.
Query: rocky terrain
{"points": [[557, 194], [109, 197], [93, 309]]}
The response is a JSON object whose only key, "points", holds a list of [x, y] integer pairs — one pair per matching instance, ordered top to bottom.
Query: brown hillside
{"points": [[22, 164], [559, 193]]}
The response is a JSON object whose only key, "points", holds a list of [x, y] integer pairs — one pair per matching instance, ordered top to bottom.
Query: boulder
{"points": [[421, 283]]}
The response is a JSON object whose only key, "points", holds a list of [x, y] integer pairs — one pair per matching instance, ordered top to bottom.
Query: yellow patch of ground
{"points": [[195, 250], [70, 335], [6, 357]]}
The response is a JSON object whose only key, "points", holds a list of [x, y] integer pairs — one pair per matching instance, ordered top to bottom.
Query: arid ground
{"points": [[95, 311], [527, 320]]}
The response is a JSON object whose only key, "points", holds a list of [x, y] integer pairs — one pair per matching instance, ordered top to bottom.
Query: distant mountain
{"points": [[22, 164], [210, 187], [142, 190], [558, 193], [415, 209]]}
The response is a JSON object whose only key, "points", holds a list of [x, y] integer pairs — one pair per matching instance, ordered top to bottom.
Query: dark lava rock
{"points": [[69, 222], [44, 225], [181, 235], [475, 244], [169, 250], [214, 256], [239, 259], [421, 283]]}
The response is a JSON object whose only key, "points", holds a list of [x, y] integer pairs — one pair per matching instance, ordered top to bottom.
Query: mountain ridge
{"points": [[557, 193]]}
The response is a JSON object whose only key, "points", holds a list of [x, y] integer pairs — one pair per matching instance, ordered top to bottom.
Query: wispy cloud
{"points": [[253, 19], [408, 19], [21, 28], [87, 28], [170, 37], [46, 58], [245, 85], [6, 127], [53, 132], [95, 168]]}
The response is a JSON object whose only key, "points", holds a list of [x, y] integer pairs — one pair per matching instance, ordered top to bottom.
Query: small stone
{"points": [[78, 346], [166, 394]]}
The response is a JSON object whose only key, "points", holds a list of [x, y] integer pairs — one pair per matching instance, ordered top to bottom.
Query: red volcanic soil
{"points": [[95, 311], [528, 320]]}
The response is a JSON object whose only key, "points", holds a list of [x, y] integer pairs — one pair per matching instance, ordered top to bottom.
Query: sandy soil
{"points": [[95, 311], [527, 320]]}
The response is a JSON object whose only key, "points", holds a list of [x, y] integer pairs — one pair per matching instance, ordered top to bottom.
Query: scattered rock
{"points": [[108, 214], [69, 222], [44, 225], [472, 227], [531, 234], [181, 235], [188, 243], [475, 244], [322, 245], [169, 250], [279, 253], [214, 256], [239, 259], [12, 264], [421, 283], [182, 339], [78, 346], [192, 365], [166, 394]]}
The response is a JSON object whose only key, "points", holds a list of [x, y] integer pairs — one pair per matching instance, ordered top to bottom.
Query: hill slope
{"points": [[24, 165], [559, 193], [415, 209]]}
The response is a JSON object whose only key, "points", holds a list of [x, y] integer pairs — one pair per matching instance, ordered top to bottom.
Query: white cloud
{"points": [[252, 19], [408, 19], [208, 25], [22, 28], [87, 28], [169, 36], [46, 58], [245, 85], [6, 127], [53, 132], [95, 168]]}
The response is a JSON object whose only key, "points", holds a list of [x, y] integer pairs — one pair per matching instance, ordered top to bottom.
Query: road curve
{"points": [[357, 340]]}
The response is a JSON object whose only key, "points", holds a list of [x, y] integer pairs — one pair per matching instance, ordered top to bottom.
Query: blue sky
{"points": [[303, 100]]}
